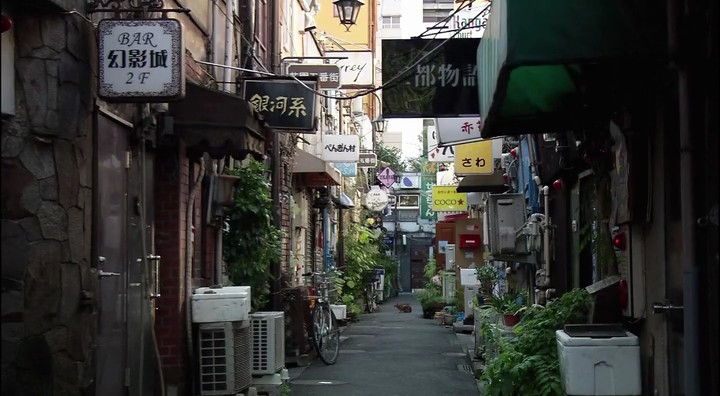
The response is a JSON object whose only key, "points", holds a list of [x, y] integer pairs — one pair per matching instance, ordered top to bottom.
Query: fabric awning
{"points": [[551, 66], [218, 123], [314, 171], [493, 183], [343, 201]]}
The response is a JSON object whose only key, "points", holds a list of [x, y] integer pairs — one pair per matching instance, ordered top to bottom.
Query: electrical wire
{"points": [[361, 93]]}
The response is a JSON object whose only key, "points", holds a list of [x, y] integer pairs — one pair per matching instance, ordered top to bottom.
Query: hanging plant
{"points": [[251, 242]]}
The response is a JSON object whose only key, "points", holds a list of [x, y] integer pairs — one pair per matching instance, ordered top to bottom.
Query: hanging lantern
{"points": [[348, 11], [380, 125]]}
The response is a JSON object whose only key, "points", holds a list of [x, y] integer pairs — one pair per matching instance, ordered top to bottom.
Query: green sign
{"points": [[427, 181]]}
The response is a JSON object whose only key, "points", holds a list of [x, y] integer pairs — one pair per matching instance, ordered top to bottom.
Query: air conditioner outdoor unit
{"points": [[268, 342], [224, 357]]}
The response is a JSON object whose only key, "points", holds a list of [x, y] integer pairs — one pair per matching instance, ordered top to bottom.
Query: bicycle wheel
{"points": [[369, 291], [326, 333]]}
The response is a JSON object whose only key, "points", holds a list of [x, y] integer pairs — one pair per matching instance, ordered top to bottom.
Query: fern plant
{"points": [[527, 364]]}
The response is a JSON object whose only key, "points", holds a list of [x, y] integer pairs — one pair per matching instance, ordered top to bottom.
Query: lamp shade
{"points": [[348, 11], [379, 124]]}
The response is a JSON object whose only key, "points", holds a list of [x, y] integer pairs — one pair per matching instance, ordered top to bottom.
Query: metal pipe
{"points": [[250, 32], [229, 34], [219, 235], [546, 238], [276, 269], [691, 334]]}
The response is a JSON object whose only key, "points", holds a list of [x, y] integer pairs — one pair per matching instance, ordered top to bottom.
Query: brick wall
{"points": [[172, 187]]}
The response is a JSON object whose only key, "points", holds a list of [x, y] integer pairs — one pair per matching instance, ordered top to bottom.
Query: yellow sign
{"points": [[474, 158], [447, 199]]}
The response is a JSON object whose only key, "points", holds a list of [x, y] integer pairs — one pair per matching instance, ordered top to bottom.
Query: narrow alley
{"points": [[392, 354]]}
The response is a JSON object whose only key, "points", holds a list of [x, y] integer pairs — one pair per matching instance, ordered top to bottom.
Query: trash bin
{"points": [[599, 360]]}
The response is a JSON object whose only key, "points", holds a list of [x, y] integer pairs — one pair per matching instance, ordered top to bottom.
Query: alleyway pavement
{"points": [[388, 353]]}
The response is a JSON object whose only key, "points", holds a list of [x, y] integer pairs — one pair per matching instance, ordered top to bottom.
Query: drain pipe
{"points": [[229, 30], [219, 234], [542, 277], [691, 335]]}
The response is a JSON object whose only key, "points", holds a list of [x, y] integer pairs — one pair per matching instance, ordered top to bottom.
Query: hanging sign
{"points": [[141, 60], [357, 70], [328, 75], [443, 84], [283, 102], [458, 130], [341, 148], [435, 153], [474, 158], [477, 158], [367, 160], [347, 169], [387, 177], [410, 181], [376, 199], [447, 199]]}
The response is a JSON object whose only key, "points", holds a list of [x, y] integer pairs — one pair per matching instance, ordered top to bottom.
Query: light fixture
{"points": [[348, 11], [6, 23], [380, 125], [558, 185]]}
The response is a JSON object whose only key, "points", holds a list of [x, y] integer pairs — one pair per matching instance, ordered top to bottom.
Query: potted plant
{"points": [[488, 277], [509, 306]]}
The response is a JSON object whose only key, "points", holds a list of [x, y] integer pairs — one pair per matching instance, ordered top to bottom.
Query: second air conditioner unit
{"points": [[268, 342], [224, 357]]}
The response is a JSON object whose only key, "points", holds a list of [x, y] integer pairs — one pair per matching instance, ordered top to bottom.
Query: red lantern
{"points": [[6, 24], [514, 152], [558, 185], [619, 241]]}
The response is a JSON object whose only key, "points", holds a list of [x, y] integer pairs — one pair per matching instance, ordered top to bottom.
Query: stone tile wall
{"points": [[48, 288]]}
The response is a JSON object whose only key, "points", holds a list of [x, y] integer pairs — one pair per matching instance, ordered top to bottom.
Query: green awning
{"points": [[551, 66]]}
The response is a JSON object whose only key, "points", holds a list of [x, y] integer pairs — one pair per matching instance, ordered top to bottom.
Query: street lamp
{"points": [[347, 11], [379, 124]]}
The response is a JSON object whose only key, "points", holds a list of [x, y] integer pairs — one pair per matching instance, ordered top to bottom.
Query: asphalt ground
{"points": [[390, 353]]}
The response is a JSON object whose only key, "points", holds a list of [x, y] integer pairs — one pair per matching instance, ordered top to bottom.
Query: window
{"points": [[391, 22], [261, 30], [408, 201]]}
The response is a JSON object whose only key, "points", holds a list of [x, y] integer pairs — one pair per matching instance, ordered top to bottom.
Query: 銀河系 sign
{"points": [[141, 60], [283, 102]]}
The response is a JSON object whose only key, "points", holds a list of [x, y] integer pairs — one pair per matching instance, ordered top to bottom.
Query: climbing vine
{"points": [[251, 242]]}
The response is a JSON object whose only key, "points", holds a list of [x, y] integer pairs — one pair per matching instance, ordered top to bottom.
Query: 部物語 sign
{"points": [[141, 60], [443, 85], [283, 102], [341, 148]]}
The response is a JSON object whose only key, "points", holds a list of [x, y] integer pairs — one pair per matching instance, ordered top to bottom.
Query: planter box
{"points": [[340, 311]]}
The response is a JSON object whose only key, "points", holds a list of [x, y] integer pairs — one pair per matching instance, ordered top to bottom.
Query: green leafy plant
{"points": [[251, 242], [362, 254], [488, 277], [508, 303], [527, 364], [285, 389]]}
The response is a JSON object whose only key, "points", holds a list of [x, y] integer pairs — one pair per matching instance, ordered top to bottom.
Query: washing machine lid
{"points": [[596, 335]]}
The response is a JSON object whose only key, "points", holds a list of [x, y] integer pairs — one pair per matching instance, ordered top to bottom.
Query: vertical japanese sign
{"points": [[141, 60], [443, 85], [285, 103], [341, 148], [435, 153], [427, 181]]}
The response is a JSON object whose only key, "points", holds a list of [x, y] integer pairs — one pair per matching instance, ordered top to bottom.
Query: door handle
{"points": [[103, 274], [659, 308]]}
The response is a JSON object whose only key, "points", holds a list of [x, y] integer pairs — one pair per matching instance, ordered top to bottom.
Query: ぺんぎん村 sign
{"points": [[140, 60], [284, 103], [341, 148], [447, 199]]}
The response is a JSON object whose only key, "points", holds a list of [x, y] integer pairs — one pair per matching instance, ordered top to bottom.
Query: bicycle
{"points": [[371, 291], [324, 333]]}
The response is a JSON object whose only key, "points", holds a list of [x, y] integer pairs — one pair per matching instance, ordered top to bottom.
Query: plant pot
{"points": [[511, 320]]}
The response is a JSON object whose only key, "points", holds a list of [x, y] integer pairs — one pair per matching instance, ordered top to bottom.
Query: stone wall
{"points": [[48, 308]]}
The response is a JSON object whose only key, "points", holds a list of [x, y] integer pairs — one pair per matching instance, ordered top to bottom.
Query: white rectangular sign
{"points": [[141, 60], [357, 71], [457, 130], [341, 148], [435, 153]]}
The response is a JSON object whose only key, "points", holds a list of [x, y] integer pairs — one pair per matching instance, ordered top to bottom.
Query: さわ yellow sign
{"points": [[474, 158]]}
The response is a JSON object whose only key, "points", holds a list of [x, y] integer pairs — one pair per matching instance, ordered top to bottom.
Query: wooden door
{"points": [[418, 260]]}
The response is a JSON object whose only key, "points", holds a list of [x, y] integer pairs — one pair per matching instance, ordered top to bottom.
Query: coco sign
{"points": [[447, 199]]}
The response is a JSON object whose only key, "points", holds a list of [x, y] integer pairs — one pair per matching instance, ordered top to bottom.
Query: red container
{"points": [[511, 320]]}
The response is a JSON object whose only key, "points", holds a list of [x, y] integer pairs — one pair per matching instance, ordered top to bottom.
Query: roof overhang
{"points": [[552, 66], [218, 123], [314, 171], [493, 183]]}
